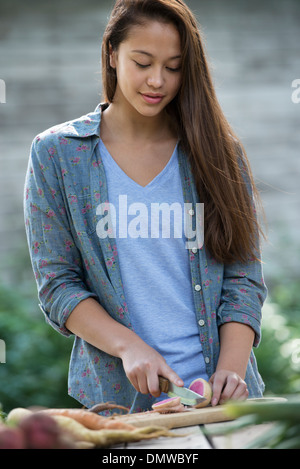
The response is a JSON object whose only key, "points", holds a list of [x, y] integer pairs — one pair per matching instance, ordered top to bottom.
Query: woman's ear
{"points": [[112, 57]]}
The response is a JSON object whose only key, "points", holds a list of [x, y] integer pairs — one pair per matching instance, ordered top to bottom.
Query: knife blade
{"points": [[187, 396]]}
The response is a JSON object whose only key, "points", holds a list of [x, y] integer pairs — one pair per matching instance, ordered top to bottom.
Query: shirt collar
{"points": [[86, 126]]}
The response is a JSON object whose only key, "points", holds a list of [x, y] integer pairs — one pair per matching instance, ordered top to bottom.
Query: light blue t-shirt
{"points": [[154, 263]]}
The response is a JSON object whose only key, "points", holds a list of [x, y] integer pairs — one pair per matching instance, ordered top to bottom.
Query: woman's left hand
{"points": [[227, 385]]}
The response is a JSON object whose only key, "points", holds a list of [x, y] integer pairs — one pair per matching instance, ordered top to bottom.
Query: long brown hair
{"points": [[218, 160]]}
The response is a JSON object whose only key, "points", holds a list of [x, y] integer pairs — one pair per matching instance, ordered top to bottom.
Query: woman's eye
{"points": [[141, 65], [170, 69], [173, 69]]}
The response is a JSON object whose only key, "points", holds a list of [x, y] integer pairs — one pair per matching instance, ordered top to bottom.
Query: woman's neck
{"points": [[127, 125]]}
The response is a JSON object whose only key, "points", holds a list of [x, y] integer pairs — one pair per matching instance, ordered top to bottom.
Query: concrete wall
{"points": [[50, 62]]}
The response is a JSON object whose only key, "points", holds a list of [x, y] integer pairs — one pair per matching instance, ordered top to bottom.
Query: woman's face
{"points": [[148, 67]]}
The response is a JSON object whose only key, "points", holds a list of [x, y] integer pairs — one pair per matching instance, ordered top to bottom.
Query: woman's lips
{"points": [[152, 99]]}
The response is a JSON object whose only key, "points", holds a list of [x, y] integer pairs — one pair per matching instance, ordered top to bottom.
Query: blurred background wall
{"points": [[50, 62]]}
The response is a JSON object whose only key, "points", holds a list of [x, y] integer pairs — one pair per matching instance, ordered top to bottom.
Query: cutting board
{"points": [[187, 418]]}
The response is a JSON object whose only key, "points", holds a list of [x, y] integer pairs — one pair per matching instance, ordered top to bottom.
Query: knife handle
{"points": [[163, 384]]}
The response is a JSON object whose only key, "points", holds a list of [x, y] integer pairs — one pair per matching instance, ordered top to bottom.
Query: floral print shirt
{"points": [[65, 183]]}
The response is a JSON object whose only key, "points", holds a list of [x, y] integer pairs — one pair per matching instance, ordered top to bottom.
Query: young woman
{"points": [[140, 300]]}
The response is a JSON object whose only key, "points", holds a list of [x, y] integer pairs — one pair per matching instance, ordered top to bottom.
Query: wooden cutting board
{"points": [[184, 419], [177, 420]]}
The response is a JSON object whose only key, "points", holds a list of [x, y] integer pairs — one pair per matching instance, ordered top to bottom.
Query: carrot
{"points": [[106, 406], [87, 419], [74, 422], [117, 424], [106, 437], [84, 445]]}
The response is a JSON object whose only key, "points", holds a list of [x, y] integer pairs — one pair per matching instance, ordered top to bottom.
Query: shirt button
{"points": [[191, 212], [197, 287], [201, 322], [207, 360]]}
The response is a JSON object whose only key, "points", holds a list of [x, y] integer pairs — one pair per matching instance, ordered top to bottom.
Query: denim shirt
{"points": [[65, 183]]}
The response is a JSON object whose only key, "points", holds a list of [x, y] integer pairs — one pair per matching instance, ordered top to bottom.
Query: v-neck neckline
{"points": [[122, 173]]}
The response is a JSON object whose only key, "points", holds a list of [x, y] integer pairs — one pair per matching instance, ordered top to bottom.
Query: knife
{"points": [[187, 397]]}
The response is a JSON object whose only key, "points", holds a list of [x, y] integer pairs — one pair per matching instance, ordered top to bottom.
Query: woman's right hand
{"points": [[143, 365]]}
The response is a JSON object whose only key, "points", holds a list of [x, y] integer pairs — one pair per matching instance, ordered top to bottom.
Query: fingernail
{"points": [[214, 401]]}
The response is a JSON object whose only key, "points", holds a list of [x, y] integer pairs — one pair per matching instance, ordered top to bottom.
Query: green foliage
{"points": [[278, 355], [37, 357], [283, 419]]}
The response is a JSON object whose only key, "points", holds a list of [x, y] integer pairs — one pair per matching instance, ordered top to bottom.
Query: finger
{"points": [[170, 374], [211, 379], [137, 380], [143, 384], [218, 384], [153, 385], [231, 385], [234, 385], [241, 393]]}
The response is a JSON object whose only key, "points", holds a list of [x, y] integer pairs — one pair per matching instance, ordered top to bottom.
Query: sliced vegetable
{"points": [[202, 387], [172, 404]]}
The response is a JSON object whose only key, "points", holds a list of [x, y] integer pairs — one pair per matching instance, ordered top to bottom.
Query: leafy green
{"points": [[37, 357], [284, 417]]}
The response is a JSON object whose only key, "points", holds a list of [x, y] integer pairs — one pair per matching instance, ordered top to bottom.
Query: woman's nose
{"points": [[155, 79]]}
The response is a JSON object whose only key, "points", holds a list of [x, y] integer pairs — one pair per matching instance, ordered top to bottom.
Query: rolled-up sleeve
{"points": [[55, 258], [244, 290], [243, 294]]}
